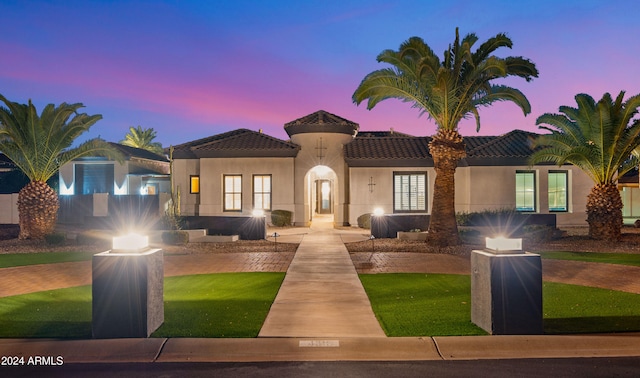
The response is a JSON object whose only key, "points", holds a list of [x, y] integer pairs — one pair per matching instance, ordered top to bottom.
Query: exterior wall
{"points": [[307, 159], [183, 169], [212, 185], [492, 188], [477, 189], [364, 200], [631, 202], [9, 209]]}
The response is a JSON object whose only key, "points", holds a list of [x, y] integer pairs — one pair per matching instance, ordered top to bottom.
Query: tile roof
{"points": [[319, 122], [378, 134], [237, 143], [512, 148], [183, 151], [388, 151], [133, 152]]}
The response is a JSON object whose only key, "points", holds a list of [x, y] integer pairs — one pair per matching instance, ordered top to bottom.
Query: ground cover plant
{"points": [[608, 258], [8, 260], [413, 304], [208, 305], [218, 305]]}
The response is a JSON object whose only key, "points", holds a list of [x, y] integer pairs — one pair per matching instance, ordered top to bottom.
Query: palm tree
{"points": [[448, 91], [142, 138], [601, 139], [39, 146]]}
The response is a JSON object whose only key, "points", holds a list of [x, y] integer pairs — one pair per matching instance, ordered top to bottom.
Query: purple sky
{"points": [[191, 69]]}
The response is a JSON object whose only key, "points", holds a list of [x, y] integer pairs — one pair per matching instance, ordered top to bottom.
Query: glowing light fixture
{"points": [[378, 211], [258, 213], [130, 243], [502, 244]]}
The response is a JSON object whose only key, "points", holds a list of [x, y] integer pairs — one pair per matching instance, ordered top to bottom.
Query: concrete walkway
{"points": [[321, 295]]}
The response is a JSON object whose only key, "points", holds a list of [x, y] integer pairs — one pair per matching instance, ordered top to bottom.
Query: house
{"points": [[329, 167], [142, 172], [96, 191]]}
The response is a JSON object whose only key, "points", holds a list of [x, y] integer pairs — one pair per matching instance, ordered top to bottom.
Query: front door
{"points": [[323, 197]]}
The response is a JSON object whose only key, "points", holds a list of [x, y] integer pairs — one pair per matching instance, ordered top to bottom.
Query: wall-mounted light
{"points": [[378, 211], [257, 213], [130, 243]]}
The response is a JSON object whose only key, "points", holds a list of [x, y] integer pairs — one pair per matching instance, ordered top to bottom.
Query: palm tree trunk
{"points": [[447, 148], [38, 210], [604, 212]]}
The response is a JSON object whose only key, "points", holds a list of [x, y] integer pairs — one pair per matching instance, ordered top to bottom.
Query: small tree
{"points": [[142, 138], [601, 138], [39, 145]]}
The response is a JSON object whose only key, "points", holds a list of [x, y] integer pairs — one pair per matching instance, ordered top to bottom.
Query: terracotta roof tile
{"points": [[321, 121], [237, 143], [386, 151], [133, 152]]}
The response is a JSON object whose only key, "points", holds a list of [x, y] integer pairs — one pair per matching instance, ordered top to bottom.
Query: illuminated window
{"points": [[558, 184], [194, 187], [525, 191], [262, 192], [409, 192], [232, 193]]}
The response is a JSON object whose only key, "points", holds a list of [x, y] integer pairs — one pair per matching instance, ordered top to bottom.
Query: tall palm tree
{"points": [[447, 90], [142, 138], [601, 139], [39, 145]]}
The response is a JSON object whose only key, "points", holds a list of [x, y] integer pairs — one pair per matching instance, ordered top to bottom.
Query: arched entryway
{"points": [[321, 193]]}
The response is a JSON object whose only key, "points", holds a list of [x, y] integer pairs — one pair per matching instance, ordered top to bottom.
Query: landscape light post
{"points": [[506, 288], [127, 291]]}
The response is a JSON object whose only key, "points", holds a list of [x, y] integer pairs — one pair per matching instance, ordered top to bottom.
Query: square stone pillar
{"points": [[506, 292], [128, 294]]}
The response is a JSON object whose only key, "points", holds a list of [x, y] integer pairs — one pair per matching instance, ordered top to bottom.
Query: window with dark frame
{"points": [[558, 190], [525, 191], [262, 192], [409, 192], [232, 193]]}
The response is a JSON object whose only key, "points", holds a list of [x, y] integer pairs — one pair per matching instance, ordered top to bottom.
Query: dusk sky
{"points": [[191, 69]]}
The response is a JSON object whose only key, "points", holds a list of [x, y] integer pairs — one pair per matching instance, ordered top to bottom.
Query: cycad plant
{"points": [[448, 90], [601, 139], [39, 145]]}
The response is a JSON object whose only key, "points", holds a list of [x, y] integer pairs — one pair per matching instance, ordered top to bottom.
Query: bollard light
{"points": [[130, 243], [501, 244]]}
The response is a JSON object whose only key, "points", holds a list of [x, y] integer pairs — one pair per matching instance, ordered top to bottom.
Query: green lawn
{"points": [[608, 258], [21, 259], [236, 304], [412, 304], [208, 305]]}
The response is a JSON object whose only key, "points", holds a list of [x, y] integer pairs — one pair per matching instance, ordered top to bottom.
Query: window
{"points": [[94, 178], [194, 184], [558, 184], [525, 191], [262, 192], [409, 192], [232, 193]]}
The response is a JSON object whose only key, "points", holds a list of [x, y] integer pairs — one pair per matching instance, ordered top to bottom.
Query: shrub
{"points": [[281, 218], [364, 221], [171, 222], [536, 233], [470, 236], [175, 237], [56, 238], [88, 238]]}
